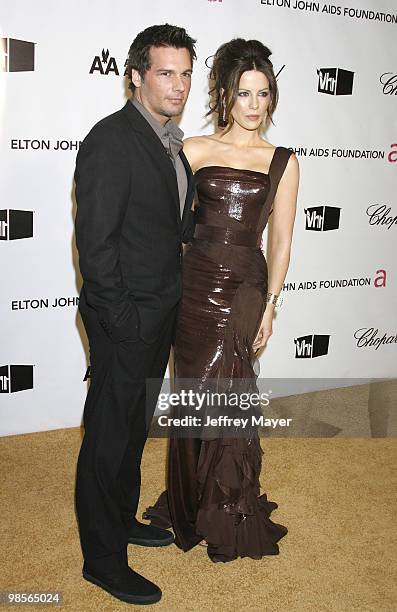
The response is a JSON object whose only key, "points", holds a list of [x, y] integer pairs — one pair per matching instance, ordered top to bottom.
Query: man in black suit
{"points": [[134, 190]]}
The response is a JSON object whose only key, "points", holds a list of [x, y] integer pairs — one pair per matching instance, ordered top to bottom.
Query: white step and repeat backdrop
{"points": [[61, 70]]}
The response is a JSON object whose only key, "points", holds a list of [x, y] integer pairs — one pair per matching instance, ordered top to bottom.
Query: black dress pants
{"points": [[117, 414]]}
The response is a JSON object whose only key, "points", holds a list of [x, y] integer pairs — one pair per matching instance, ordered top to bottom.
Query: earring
{"points": [[222, 114]]}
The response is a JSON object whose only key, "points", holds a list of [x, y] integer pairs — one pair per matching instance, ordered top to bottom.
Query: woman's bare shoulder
{"points": [[196, 141], [195, 149], [293, 162]]}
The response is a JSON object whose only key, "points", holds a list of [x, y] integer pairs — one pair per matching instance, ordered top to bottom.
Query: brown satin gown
{"points": [[213, 485]]}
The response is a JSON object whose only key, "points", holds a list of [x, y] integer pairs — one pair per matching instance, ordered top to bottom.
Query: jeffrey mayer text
{"points": [[222, 421]]}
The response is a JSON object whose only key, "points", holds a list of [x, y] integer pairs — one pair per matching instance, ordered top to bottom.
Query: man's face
{"points": [[164, 89]]}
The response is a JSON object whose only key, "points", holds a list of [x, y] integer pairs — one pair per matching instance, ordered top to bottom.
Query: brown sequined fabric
{"points": [[213, 485]]}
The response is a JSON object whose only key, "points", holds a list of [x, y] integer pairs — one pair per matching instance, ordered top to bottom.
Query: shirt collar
{"points": [[170, 128]]}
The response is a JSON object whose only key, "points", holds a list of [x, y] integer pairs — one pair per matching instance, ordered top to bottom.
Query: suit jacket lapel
{"points": [[156, 149]]}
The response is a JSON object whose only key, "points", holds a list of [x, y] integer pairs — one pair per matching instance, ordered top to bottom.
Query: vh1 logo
{"points": [[16, 55], [335, 81], [322, 218], [16, 224], [313, 345], [15, 378]]}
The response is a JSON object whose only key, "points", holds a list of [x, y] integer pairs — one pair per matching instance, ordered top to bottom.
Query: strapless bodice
{"points": [[234, 200]]}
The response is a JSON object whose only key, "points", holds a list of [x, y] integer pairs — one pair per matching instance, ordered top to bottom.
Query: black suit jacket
{"points": [[129, 232]]}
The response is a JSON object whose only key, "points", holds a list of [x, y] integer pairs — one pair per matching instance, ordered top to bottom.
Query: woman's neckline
{"points": [[231, 168], [239, 169]]}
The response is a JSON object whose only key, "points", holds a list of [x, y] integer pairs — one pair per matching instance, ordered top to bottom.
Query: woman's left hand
{"points": [[265, 330]]}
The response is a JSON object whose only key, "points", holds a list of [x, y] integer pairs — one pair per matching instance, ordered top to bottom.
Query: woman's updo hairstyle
{"points": [[230, 61]]}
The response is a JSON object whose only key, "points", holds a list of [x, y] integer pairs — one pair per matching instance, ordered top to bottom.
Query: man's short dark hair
{"points": [[165, 35]]}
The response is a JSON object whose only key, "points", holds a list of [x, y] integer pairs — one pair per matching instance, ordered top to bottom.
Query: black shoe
{"points": [[149, 535], [125, 585]]}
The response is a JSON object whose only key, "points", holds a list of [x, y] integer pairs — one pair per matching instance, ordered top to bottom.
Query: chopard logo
{"points": [[389, 82], [379, 214], [368, 336]]}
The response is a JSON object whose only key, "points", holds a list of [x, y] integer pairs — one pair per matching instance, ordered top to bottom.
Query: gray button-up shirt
{"points": [[171, 136]]}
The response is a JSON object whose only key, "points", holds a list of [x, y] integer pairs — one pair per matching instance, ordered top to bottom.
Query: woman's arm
{"points": [[284, 211]]}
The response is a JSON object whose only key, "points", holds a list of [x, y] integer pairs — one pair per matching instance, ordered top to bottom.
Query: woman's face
{"points": [[252, 101]]}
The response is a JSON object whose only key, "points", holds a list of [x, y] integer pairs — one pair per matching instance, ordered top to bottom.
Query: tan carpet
{"points": [[337, 497]]}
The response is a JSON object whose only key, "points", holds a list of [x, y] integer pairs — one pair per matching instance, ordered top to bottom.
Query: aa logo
{"points": [[105, 64]]}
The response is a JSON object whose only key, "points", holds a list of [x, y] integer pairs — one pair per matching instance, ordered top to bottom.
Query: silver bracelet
{"points": [[273, 298]]}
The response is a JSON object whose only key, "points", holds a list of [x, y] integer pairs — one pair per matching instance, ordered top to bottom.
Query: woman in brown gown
{"points": [[213, 494]]}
